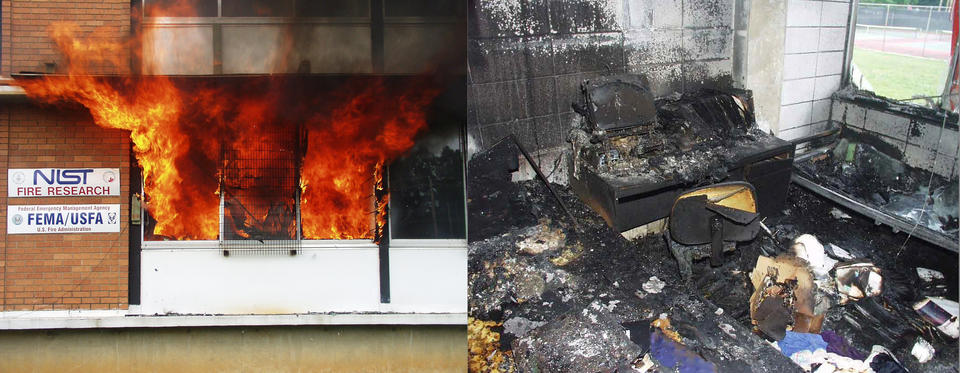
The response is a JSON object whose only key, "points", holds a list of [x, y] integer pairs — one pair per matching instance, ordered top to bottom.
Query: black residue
{"points": [[870, 100], [916, 130], [875, 141]]}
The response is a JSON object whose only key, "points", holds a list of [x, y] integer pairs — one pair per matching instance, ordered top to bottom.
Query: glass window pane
{"points": [[180, 8], [257, 8], [902, 52], [426, 185]]}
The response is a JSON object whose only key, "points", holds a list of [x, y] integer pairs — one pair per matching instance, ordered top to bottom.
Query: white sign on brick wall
{"points": [[63, 182], [27, 219]]}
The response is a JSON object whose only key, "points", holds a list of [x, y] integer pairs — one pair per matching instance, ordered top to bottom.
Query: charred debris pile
{"points": [[553, 287], [547, 297]]}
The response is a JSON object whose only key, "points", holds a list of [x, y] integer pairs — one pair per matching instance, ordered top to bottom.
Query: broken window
{"points": [[902, 52], [426, 188]]}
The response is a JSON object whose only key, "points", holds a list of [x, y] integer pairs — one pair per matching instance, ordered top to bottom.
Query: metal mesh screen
{"points": [[259, 178]]}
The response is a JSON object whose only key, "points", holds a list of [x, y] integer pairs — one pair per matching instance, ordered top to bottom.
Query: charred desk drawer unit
{"points": [[633, 155]]}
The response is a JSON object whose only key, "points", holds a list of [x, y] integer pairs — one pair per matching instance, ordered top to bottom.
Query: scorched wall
{"points": [[527, 57]]}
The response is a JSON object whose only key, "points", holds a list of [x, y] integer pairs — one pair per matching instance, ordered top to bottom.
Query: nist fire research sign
{"points": [[63, 182], [25, 219]]}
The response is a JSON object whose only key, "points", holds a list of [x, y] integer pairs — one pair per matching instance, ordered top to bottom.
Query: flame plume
{"points": [[180, 130]]}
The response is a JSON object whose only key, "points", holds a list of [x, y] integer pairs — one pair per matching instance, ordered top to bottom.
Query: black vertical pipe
{"points": [[383, 234], [135, 240]]}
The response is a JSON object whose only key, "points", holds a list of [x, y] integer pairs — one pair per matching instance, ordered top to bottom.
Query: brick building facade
{"points": [[26, 43], [60, 271]]}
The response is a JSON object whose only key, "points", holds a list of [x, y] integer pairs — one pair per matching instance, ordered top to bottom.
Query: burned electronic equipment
{"points": [[633, 155]]}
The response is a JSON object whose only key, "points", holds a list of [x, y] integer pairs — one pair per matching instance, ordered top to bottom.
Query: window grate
{"points": [[259, 191]]}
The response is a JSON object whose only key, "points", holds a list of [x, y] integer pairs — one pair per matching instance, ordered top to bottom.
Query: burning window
{"points": [[313, 169], [259, 185]]}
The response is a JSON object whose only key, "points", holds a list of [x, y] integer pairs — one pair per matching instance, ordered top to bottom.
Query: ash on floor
{"points": [[569, 300]]}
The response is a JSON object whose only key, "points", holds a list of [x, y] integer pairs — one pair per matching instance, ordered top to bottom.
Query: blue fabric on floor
{"points": [[794, 342], [836, 344], [673, 355]]}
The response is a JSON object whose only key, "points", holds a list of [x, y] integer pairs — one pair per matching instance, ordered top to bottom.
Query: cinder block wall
{"points": [[26, 45], [814, 45], [526, 58], [62, 271]]}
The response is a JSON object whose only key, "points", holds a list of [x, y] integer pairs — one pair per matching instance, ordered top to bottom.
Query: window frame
{"points": [[846, 78], [304, 243]]}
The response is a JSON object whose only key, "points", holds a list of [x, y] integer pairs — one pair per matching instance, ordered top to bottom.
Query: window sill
{"points": [[319, 244], [215, 245], [28, 320]]}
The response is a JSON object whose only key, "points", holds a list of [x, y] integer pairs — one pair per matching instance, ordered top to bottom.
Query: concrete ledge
{"points": [[118, 319]]}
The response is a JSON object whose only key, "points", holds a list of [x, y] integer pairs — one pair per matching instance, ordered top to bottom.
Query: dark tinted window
{"points": [[180, 8], [257, 8], [423, 8], [426, 185]]}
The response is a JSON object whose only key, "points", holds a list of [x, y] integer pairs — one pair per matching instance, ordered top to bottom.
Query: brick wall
{"points": [[26, 45], [527, 57], [62, 271]]}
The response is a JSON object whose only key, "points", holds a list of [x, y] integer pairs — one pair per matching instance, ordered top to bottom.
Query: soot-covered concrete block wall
{"points": [[527, 58], [922, 141]]}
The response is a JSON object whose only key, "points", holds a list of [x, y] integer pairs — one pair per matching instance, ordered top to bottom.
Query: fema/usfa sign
{"points": [[63, 182], [26, 219]]}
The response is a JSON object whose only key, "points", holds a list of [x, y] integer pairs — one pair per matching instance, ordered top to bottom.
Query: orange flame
{"points": [[374, 127], [178, 133]]}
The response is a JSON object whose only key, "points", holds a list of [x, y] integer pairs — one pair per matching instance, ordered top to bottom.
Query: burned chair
{"points": [[710, 220]]}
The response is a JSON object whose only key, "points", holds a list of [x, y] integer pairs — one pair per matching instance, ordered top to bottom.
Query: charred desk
{"points": [[633, 155]]}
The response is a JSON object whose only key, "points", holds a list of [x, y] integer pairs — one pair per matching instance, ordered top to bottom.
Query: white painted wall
{"points": [[428, 276], [321, 279]]}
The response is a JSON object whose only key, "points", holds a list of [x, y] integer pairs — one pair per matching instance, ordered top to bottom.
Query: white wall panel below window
{"points": [[428, 279], [190, 281]]}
